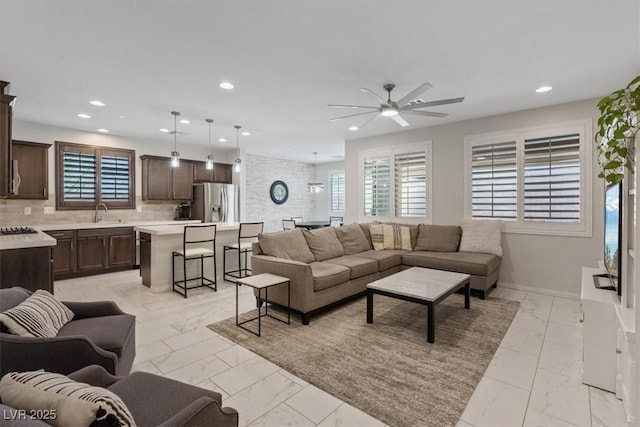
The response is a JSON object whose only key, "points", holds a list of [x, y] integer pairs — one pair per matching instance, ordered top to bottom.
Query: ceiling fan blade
{"points": [[415, 93], [378, 98], [432, 103], [352, 106], [425, 113], [351, 115], [399, 120], [368, 121]]}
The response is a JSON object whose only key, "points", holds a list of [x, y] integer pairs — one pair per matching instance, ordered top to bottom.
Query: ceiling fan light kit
{"points": [[408, 104]]}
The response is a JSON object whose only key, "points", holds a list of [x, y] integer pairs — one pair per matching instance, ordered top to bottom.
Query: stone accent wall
{"points": [[261, 172]]}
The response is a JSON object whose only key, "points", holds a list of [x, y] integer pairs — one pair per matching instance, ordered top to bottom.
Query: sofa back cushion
{"points": [[438, 238], [353, 239], [324, 243], [289, 244]]}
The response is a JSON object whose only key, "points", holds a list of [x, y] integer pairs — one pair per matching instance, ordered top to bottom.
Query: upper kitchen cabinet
{"points": [[6, 115], [32, 168], [221, 173], [161, 182]]}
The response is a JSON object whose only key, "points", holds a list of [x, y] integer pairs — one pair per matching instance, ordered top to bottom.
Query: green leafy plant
{"points": [[617, 128]]}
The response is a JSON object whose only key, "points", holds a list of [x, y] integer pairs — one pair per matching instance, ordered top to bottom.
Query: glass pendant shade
{"points": [[175, 156], [175, 159], [209, 164], [237, 165], [315, 187]]}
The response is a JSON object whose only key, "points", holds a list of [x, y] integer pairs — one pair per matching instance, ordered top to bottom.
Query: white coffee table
{"points": [[260, 282], [420, 285]]}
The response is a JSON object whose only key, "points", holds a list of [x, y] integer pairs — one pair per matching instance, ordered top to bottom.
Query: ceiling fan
{"points": [[409, 104]]}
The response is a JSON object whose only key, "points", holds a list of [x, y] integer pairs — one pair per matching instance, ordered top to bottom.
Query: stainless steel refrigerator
{"points": [[216, 202]]}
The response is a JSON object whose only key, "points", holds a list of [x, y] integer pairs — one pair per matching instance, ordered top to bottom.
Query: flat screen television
{"points": [[612, 240]]}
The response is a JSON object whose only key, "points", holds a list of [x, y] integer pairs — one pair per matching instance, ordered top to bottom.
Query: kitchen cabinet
{"points": [[6, 116], [33, 164], [221, 173], [161, 182], [93, 251], [145, 259], [29, 268]]}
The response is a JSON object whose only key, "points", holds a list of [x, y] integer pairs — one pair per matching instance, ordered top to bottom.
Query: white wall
{"points": [[322, 200], [548, 263]]}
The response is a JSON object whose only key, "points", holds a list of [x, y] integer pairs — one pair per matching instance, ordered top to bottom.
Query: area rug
{"points": [[387, 369]]}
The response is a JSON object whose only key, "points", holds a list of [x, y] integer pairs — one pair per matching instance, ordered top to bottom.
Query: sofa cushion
{"points": [[367, 233], [390, 236], [482, 236], [438, 238], [353, 239], [323, 243], [289, 244], [386, 259], [479, 264], [358, 266], [326, 275], [40, 315], [107, 332], [74, 404]]}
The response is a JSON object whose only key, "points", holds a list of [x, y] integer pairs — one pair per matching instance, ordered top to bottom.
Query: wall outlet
{"points": [[138, 208], [27, 210], [48, 210]]}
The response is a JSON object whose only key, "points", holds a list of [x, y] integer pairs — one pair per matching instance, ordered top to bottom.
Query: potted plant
{"points": [[617, 128]]}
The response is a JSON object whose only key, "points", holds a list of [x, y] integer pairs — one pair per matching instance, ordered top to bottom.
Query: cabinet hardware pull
{"points": [[44, 192], [72, 245]]}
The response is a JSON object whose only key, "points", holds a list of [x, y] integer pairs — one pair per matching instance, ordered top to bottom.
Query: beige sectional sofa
{"points": [[329, 265]]}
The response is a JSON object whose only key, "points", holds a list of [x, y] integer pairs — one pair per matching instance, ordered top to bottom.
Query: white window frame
{"points": [[581, 127], [390, 152], [330, 192]]}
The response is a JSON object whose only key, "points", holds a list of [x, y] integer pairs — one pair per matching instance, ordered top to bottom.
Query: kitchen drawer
{"points": [[104, 232], [62, 234]]}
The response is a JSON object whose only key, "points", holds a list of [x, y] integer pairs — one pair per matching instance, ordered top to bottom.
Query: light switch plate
{"points": [[138, 208], [27, 210], [48, 210]]}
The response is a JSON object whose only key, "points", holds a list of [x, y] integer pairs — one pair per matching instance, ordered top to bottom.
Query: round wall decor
{"points": [[279, 192]]}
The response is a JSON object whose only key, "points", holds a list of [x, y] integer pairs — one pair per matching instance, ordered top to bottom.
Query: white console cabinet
{"points": [[626, 371]]}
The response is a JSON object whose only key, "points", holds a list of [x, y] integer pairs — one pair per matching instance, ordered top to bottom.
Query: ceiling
{"points": [[288, 59]]}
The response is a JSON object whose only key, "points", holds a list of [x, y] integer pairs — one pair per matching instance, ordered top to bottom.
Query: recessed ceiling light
{"points": [[226, 85], [543, 89], [96, 103], [84, 116], [122, 117], [185, 121], [353, 128], [102, 130], [164, 130], [245, 133], [222, 140]]}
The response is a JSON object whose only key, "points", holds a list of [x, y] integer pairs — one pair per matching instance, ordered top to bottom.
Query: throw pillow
{"points": [[387, 236], [482, 236], [438, 238], [353, 239], [324, 243], [288, 244], [41, 315], [74, 404]]}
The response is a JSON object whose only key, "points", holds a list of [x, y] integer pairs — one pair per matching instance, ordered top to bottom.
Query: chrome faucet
{"points": [[98, 215]]}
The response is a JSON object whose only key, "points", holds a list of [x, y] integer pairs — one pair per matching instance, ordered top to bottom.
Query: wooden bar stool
{"points": [[195, 234], [247, 234]]}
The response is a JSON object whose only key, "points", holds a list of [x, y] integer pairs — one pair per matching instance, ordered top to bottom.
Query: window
{"points": [[87, 175], [535, 179], [336, 180], [396, 183]]}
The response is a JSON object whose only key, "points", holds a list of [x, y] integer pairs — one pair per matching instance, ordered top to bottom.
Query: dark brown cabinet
{"points": [[6, 116], [32, 167], [221, 173], [161, 182], [93, 251], [145, 259], [29, 268]]}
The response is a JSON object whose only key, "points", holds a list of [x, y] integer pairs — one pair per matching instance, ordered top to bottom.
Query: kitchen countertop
{"points": [[86, 225], [161, 230], [22, 241]]}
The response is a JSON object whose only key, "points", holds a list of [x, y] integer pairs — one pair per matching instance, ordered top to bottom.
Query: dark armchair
{"points": [[99, 334]]}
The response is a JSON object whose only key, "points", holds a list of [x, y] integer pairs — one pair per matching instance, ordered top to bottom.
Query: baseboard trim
{"points": [[543, 291]]}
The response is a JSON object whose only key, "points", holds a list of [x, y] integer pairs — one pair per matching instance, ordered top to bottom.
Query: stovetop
{"points": [[9, 231]]}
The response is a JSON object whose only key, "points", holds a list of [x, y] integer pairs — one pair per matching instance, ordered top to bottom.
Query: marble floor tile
{"points": [[507, 293], [565, 310], [530, 321], [156, 324], [567, 335], [146, 338], [185, 339], [523, 340], [151, 351], [235, 355], [179, 358], [561, 359], [146, 366], [513, 367], [199, 371], [242, 376], [293, 378], [210, 385], [261, 397], [561, 397], [313, 403], [495, 404], [606, 409], [347, 415], [282, 416], [538, 419], [461, 423]]}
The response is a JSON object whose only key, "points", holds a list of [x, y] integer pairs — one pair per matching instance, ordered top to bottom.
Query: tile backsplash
{"points": [[12, 212]]}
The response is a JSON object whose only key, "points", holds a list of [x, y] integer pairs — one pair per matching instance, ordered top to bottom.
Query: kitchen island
{"points": [[157, 244], [25, 261]]}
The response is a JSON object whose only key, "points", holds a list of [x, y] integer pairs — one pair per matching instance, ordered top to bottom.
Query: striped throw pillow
{"points": [[390, 236], [41, 315], [73, 404]]}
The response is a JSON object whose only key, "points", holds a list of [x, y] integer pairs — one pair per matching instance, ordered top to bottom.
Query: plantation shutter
{"points": [[79, 175], [114, 177], [552, 179], [494, 181], [410, 184], [377, 186], [337, 192]]}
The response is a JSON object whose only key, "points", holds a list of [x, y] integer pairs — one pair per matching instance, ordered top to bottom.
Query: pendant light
{"points": [[175, 156], [238, 161], [209, 165], [315, 187]]}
